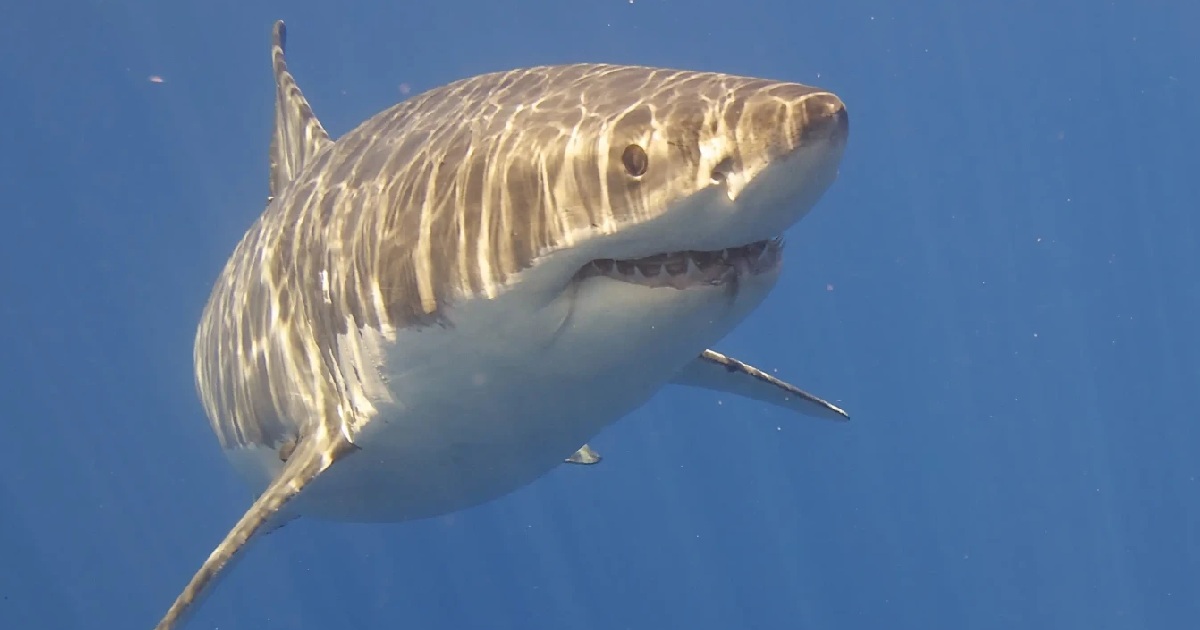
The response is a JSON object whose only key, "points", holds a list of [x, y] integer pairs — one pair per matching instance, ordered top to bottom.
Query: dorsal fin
{"points": [[298, 135]]}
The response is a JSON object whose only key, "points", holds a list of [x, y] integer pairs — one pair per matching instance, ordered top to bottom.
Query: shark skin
{"points": [[445, 303]]}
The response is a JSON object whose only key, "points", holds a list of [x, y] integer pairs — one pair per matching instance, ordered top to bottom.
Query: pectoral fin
{"points": [[715, 371], [585, 455], [306, 462]]}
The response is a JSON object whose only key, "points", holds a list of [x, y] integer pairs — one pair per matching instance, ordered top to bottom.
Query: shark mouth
{"points": [[685, 269]]}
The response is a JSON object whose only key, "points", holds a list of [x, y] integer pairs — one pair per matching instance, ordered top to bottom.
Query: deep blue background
{"points": [[1001, 288]]}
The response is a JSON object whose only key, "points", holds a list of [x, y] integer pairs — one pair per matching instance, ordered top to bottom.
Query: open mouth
{"points": [[681, 270]]}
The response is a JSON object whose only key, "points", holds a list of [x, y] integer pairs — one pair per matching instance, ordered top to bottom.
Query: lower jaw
{"points": [[691, 269]]}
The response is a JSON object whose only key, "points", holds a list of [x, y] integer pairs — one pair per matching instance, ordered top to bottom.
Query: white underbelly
{"points": [[470, 413], [451, 455]]}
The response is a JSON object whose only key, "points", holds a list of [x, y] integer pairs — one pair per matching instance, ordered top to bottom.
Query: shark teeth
{"points": [[681, 270]]}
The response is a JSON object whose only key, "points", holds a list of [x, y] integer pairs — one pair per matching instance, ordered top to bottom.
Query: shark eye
{"points": [[635, 160]]}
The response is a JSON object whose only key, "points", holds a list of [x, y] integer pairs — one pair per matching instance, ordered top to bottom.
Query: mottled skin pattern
{"points": [[450, 197]]}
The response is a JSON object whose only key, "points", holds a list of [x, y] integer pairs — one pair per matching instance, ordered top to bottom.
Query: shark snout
{"points": [[824, 119]]}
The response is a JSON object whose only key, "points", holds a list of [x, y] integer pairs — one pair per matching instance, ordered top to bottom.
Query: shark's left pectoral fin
{"points": [[715, 371], [585, 455]]}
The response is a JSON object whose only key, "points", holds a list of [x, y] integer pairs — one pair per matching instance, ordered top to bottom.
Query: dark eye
{"points": [[635, 160]]}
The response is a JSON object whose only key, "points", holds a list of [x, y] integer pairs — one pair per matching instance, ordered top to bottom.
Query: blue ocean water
{"points": [[1001, 288]]}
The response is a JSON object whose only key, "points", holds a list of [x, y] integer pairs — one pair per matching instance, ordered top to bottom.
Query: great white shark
{"points": [[452, 299]]}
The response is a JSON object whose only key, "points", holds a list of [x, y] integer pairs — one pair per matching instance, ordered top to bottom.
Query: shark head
{"points": [[693, 162], [642, 176], [611, 208]]}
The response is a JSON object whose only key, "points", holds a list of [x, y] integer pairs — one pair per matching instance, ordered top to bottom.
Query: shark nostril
{"points": [[722, 170]]}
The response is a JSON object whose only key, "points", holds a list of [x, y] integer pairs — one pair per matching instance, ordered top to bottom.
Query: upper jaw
{"points": [[690, 268]]}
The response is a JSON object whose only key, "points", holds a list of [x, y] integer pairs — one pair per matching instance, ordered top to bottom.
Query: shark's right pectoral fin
{"points": [[715, 371], [585, 455], [310, 458]]}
